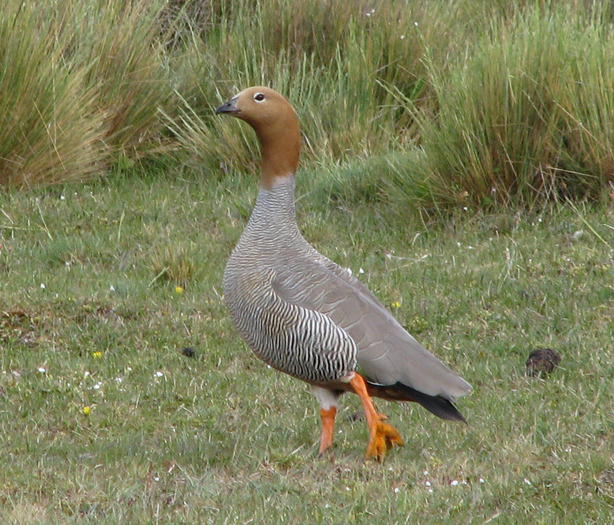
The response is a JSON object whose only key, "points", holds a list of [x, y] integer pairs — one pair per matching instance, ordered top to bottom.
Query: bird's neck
{"points": [[280, 150], [274, 212]]}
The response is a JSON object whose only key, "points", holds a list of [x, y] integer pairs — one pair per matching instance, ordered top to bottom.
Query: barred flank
{"points": [[298, 341]]}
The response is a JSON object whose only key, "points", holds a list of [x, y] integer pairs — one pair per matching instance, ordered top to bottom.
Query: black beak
{"points": [[228, 107]]}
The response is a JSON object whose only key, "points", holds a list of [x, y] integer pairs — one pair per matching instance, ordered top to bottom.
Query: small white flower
{"points": [[402, 37], [62, 198], [577, 234], [361, 271], [43, 286], [112, 288], [42, 370], [159, 374], [119, 379], [97, 386], [426, 473], [156, 478], [481, 480], [527, 481], [427, 483], [454, 483], [347, 489], [397, 490], [431, 490]]}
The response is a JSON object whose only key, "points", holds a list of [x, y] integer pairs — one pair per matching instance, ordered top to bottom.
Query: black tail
{"points": [[440, 406]]}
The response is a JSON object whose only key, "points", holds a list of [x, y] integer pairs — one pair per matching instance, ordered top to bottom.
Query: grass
{"points": [[78, 84], [481, 104], [411, 117], [510, 119], [221, 438]]}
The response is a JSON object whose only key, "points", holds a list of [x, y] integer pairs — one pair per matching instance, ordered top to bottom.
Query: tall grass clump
{"points": [[333, 60], [129, 64], [81, 84], [526, 118], [49, 126]]}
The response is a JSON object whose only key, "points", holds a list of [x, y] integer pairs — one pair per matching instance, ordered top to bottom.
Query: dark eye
{"points": [[259, 97]]}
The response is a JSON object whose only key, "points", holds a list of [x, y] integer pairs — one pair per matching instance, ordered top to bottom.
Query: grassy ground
{"points": [[438, 111], [91, 316]]}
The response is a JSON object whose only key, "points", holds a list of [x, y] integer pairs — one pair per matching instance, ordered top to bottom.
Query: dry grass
{"points": [[81, 88], [476, 105]]}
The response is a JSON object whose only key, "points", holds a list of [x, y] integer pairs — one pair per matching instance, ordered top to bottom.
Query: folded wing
{"points": [[387, 353]]}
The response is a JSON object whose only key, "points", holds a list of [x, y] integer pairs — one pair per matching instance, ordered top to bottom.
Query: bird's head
{"points": [[259, 106], [276, 125]]}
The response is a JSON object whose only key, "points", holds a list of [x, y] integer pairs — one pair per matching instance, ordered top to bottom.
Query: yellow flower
{"points": [[178, 289], [396, 304], [97, 355], [86, 411]]}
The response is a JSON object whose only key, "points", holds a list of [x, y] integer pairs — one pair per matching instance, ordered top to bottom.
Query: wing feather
{"points": [[387, 353]]}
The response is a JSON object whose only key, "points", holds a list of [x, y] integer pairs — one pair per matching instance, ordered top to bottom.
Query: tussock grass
{"points": [[330, 59], [81, 84], [469, 104], [510, 119], [49, 128]]}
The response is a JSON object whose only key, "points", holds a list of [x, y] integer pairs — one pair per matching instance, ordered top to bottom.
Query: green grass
{"points": [[82, 83], [480, 104], [411, 116], [516, 121], [221, 438]]}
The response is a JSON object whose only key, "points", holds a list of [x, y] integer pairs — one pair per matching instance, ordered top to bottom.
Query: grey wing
{"points": [[387, 353]]}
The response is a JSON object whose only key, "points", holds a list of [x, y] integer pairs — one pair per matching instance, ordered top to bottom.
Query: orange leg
{"points": [[328, 424], [382, 436]]}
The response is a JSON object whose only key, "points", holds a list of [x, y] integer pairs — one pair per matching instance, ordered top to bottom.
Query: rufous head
{"points": [[276, 125]]}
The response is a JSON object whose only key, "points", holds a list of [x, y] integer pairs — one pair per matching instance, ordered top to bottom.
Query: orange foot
{"points": [[383, 438]]}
